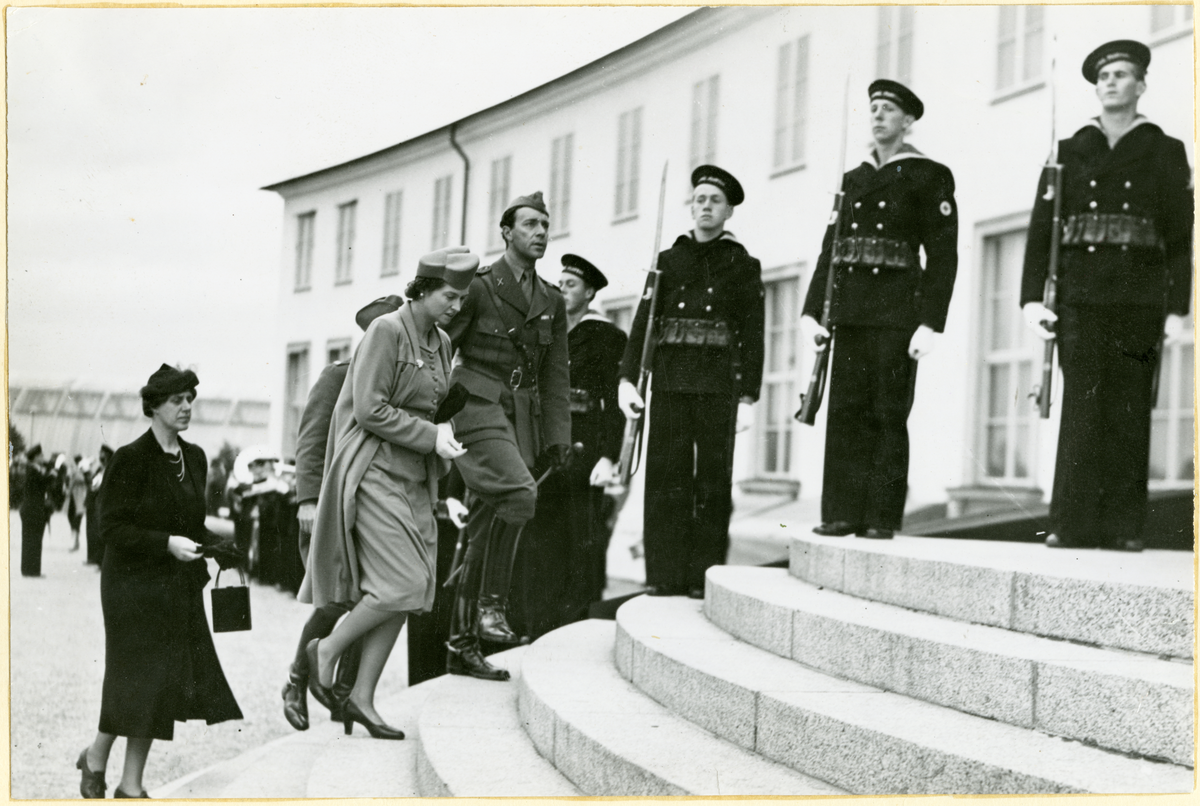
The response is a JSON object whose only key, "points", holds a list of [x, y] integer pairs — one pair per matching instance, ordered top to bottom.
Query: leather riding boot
{"points": [[498, 557], [464, 656], [347, 674]]}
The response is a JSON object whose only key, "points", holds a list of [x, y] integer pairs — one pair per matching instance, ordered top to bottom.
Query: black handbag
{"points": [[230, 606]]}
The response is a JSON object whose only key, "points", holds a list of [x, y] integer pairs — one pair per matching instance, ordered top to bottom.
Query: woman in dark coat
{"points": [[34, 512], [160, 662]]}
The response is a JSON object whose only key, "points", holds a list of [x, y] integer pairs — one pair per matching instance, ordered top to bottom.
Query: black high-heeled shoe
{"points": [[322, 694], [351, 713], [91, 785], [120, 793]]}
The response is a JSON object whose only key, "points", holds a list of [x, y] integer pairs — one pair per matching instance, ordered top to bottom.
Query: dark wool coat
{"points": [[160, 662]]}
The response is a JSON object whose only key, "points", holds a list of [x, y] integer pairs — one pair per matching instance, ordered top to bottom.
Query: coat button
{"points": [[1092, 184], [1128, 185], [882, 204], [857, 205], [1092, 205], [1125, 206], [854, 225], [879, 225], [1124, 247], [1091, 249], [851, 270], [875, 270], [710, 290], [681, 306], [708, 307]]}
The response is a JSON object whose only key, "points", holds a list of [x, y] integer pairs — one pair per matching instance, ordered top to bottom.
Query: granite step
{"points": [[1141, 602], [1131, 702], [851, 735], [609, 739], [472, 743]]}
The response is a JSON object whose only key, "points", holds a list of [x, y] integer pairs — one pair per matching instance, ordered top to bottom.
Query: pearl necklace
{"points": [[178, 472]]}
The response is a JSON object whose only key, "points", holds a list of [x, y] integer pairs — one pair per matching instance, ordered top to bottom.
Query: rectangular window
{"points": [[1168, 21], [894, 43], [1019, 46], [705, 103], [791, 103], [629, 147], [562, 155], [498, 201], [441, 212], [305, 223], [391, 234], [345, 243], [621, 316], [337, 350], [1011, 358], [779, 376], [295, 394], [1172, 426]]}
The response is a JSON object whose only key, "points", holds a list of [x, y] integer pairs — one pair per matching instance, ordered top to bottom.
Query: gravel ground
{"points": [[56, 659]]}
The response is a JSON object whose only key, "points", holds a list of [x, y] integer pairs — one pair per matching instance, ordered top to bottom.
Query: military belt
{"points": [[1111, 228], [886, 252], [695, 332], [581, 401]]}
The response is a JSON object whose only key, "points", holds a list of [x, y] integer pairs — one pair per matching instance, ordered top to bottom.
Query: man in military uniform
{"points": [[1125, 266], [886, 311], [511, 338], [707, 371], [560, 567]]}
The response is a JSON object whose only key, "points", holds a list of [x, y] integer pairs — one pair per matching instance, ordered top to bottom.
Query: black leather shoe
{"points": [[837, 529], [878, 533], [665, 590], [695, 593], [492, 624], [469, 661], [322, 694], [295, 703], [351, 713], [92, 784], [120, 793]]}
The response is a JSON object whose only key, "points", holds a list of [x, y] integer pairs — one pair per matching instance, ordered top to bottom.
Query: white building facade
{"points": [[758, 91]]}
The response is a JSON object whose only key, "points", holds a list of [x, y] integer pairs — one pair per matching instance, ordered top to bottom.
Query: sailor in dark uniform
{"points": [[1125, 265], [886, 311], [511, 343], [706, 375]]}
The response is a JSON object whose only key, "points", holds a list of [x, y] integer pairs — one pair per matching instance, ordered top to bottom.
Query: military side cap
{"points": [[1119, 50], [898, 94], [719, 177], [533, 200], [455, 265], [584, 270], [373, 310]]}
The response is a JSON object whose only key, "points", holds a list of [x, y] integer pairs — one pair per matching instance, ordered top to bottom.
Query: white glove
{"points": [[1037, 317], [1173, 327], [815, 336], [922, 343], [629, 400], [745, 416], [447, 446], [602, 473], [457, 511]]}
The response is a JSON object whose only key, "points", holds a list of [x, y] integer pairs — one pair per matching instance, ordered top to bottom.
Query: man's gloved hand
{"points": [[1040, 319], [1173, 327], [815, 336], [922, 342], [629, 400], [745, 416], [602, 473], [457, 512], [225, 553]]}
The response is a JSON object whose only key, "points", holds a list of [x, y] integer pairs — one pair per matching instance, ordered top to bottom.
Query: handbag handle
{"points": [[242, 576]]}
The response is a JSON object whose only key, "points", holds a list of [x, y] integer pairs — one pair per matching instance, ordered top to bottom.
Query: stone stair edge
{"points": [[666, 648]]}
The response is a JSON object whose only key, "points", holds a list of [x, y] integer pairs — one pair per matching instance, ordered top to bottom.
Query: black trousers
{"points": [[1108, 354], [866, 440], [689, 469], [33, 529], [427, 631]]}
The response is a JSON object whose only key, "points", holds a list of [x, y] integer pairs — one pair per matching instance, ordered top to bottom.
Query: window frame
{"points": [[1175, 29], [1021, 83], [791, 107], [627, 187], [499, 193], [393, 206], [306, 225], [343, 272]]}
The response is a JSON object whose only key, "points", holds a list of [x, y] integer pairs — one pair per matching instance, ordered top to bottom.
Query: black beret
{"points": [[1119, 50], [898, 94], [719, 177], [533, 200], [584, 270], [377, 308], [168, 380]]}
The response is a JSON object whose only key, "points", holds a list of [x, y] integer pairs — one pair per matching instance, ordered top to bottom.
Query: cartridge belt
{"points": [[1113, 228], [886, 252], [695, 332], [581, 401]]}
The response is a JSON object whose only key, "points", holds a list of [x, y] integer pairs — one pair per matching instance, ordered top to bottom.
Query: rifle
{"points": [[1052, 175], [810, 400], [631, 443]]}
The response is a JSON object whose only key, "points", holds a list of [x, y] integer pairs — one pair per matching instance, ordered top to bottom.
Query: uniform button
{"points": [[1092, 183], [1128, 185], [882, 204], [857, 205], [1092, 205], [1125, 206], [854, 225], [879, 225], [1124, 247], [1091, 249], [851, 270], [875, 270], [710, 290], [681, 306], [708, 307]]}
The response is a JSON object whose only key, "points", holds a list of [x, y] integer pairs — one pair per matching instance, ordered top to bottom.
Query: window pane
{"points": [[1162, 17], [1033, 43], [883, 46], [782, 97], [800, 105], [635, 151], [1186, 382], [999, 390], [1185, 439], [1158, 448], [996, 450], [1021, 453]]}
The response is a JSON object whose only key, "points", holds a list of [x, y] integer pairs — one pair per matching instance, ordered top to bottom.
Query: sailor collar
{"points": [[1137, 121], [906, 152], [725, 235], [593, 315]]}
